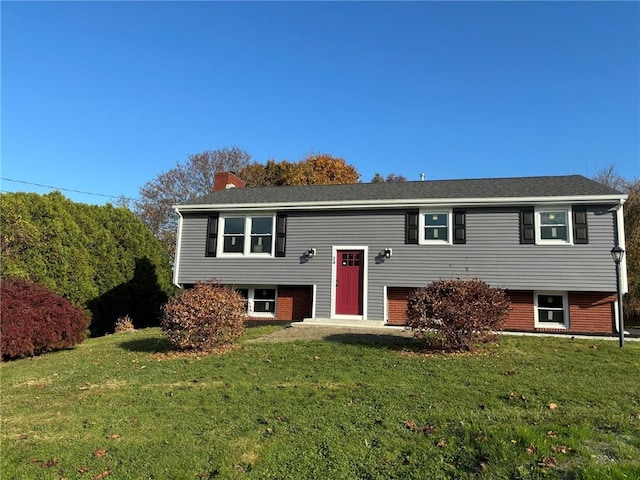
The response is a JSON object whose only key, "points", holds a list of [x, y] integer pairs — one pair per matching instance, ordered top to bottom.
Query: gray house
{"points": [[358, 251]]}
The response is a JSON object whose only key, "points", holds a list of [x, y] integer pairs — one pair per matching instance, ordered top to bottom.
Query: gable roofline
{"points": [[574, 189]]}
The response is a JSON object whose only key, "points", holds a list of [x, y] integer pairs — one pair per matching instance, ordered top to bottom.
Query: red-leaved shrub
{"points": [[457, 314], [204, 317], [35, 320]]}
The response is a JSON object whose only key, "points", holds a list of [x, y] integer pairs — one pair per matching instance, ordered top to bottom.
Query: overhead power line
{"points": [[118, 197]]}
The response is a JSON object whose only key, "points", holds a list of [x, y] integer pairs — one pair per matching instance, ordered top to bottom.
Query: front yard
{"points": [[348, 406]]}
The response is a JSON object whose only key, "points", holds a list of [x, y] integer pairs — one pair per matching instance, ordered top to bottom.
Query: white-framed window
{"points": [[553, 225], [435, 227], [241, 235], [261, 301], [551, 309]]}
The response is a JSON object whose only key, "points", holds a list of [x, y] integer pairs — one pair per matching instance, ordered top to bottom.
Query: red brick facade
{"points": [[294, 303], [397, 304], [589, 312], [521, 316]]}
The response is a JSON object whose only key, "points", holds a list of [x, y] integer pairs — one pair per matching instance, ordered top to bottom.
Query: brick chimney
{"points": [[224, 180]]}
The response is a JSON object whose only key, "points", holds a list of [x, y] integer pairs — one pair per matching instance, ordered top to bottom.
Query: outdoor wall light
{"points": [[387, 252], [311, 253], [617, 253]]}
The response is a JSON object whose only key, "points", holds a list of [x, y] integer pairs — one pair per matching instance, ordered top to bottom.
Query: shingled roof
{"points": [[483, 188]]}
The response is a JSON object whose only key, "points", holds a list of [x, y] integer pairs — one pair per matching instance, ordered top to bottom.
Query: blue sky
{"points": [[102, 97]]}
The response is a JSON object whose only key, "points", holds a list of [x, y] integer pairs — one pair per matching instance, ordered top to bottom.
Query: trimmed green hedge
{"points": [[100, 257]]}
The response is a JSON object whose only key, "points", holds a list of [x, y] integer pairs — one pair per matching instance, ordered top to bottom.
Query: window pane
{"points": [[553, 218], [435, 219], [234, 225], [262, 225], [439, 233], [553, 233], [233, 244], [261, 244], [265, 294], [550, 301], [264, 306], [550, 316]]}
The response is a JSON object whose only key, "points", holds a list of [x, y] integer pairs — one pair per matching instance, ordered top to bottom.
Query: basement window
{"points": [[261, 301], [551, 310]]}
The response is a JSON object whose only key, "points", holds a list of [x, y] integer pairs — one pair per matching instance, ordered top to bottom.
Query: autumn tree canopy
{"points": [[320, 169], [608, 176], [195, 178], [183, 182]]}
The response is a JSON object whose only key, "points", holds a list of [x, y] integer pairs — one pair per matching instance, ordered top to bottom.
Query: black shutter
{"points": [[459, 226], [527, 226], [411, 227], [580, 230], [281, 235], [212, 236]]}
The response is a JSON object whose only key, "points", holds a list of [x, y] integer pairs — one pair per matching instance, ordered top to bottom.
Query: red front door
{"points": [[349, 279]]}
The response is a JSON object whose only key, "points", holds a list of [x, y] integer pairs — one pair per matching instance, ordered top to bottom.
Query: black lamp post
{"points": [[617, 253]]}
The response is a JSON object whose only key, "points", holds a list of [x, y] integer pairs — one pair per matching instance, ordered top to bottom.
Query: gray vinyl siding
{"points": [[492, 253]]}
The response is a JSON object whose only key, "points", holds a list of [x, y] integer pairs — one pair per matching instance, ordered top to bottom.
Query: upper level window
{"points": [[552, 225], [435, 227], [261, 234], [233, 235], [247, 235]]}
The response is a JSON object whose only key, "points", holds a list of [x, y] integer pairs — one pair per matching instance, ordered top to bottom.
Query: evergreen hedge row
{"points": [[102, 258]]}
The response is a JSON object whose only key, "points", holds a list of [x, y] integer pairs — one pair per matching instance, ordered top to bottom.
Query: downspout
{"points": [[176, 260], [624, 284]]}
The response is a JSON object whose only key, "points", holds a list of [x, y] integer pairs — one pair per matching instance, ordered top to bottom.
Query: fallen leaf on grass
{"points": [[316, 357], [267, 360], [510, 373], [513, 395], [351, 402], [553, 406], [282, 419], [410, 425], [427, 429], [552, 434], [113, 436], [22, 437], [442, 443], [531, 449], [561, 449], [99, 453], [35, 460], [547, 462], [50, 463], [83, 470], [106, 473]]}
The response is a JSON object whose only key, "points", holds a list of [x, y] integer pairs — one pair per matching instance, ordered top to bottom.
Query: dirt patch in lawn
{"points": [[338, 334]]}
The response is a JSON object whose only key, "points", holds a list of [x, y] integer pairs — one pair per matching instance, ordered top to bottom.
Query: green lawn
{"points": [[334, 409]]}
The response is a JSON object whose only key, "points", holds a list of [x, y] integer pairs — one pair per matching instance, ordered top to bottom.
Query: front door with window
{"points": [[349, 281]]}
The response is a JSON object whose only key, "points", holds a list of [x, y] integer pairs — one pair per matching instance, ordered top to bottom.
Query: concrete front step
{"points": [[344, 323]]}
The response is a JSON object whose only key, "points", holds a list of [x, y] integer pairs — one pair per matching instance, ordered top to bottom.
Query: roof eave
{"points": [[404, 203]]}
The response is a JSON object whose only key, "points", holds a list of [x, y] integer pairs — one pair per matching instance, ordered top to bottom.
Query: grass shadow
{"points": [[374, 340], [146, 345]]}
